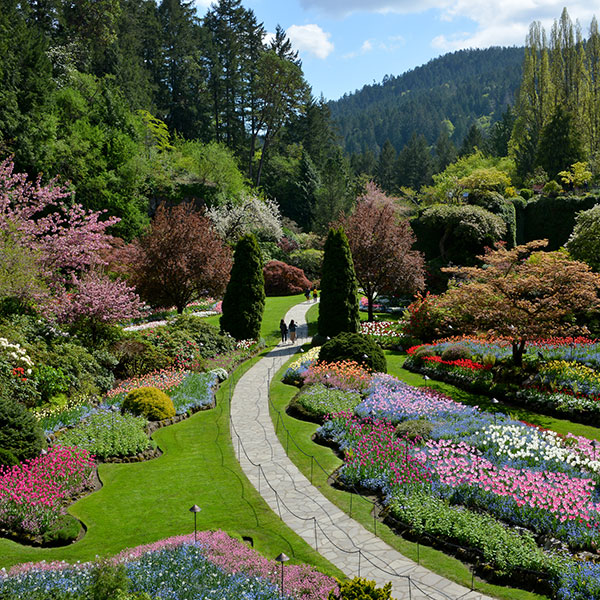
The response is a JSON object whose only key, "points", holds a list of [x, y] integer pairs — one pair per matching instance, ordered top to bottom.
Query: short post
{"points": [[312, 460], [351, 496], [195, 509], [316, 540], [359, 555], [281, 559]]}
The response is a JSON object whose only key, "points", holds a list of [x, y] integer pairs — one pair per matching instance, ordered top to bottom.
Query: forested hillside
{"points": [[450, 92]]}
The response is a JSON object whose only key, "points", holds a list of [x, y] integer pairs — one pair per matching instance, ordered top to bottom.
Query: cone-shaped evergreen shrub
{"points": [[244, 300], [338, 310], [20, 433]]}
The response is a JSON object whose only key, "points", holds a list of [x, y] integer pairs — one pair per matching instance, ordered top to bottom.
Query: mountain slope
{"points": [[461, 87]]}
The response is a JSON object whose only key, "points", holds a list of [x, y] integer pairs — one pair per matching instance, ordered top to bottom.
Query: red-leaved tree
{"points": [[381, 246], [181, 258], [282, 279]]}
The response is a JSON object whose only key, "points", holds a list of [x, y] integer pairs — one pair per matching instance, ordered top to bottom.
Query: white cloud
{"points": [[502, 23], [268, 37], [310, 38], [367, 46]]}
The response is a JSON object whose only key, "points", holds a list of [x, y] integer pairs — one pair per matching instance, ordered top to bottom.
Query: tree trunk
{"points": [[370, 304]]}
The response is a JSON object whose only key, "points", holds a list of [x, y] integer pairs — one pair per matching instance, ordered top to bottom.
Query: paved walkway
{"points": [[337, 537]]}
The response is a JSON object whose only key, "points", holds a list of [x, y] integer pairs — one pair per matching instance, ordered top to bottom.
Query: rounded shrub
{"points": [[356, 347], [423, 351], [456, 352], [149, 402], [415, 429], [20, 433], [7, 458]]}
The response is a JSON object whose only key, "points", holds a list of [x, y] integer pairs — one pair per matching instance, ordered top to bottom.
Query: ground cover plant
{"points": [[213, 566]]}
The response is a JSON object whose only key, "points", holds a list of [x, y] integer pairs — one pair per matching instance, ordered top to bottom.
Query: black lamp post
{"points": [[495, 401], [195, 509], [281, 559]]}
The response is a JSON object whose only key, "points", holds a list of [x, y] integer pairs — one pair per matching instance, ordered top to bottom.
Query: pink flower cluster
{"points": [[376, 450], [33, 493], [565, 497]]}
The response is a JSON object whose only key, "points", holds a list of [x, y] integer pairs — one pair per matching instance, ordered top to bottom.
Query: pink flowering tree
{"points": [[68, 242]]}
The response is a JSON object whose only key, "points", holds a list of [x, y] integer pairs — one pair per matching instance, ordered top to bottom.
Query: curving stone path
{"points": [[337, 537]]}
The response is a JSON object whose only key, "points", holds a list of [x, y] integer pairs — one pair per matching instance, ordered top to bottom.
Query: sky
{"points": [[346, 44]]}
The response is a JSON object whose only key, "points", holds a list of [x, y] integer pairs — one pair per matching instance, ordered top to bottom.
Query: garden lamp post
{"points": [[495, 401], [594, 444], [195, 509], [281, 559]]}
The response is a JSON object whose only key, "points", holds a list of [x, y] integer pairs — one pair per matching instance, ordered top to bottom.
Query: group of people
{"points": [[315, 294], [291, 328]]}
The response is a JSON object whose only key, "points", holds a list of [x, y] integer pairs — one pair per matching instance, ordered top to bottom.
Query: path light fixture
{"points": [[495, 401], [594, 444], [195, 509], [281, 559]]}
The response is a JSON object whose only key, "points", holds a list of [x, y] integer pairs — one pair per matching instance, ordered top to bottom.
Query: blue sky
{"points": [[345, 44]]}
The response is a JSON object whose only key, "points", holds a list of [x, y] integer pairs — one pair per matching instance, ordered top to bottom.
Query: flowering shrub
{"points": [[17, 358], [344, 374], [164, 380], [33, 494], [215, 567]]}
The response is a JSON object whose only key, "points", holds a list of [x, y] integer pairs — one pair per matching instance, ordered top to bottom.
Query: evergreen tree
{"points": [[500, 132], [473, 139], [560, 144], [445, 151], [414, 165], [386, 168], [306, 195], [244, 300], [338, 309]]}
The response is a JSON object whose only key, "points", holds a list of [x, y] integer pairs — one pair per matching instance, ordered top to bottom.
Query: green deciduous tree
{"points": [[584, 243], [244, 300], [338, 309]]}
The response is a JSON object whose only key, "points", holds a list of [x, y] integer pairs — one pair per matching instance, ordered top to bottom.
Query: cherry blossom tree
{"points": [[381, 246]]}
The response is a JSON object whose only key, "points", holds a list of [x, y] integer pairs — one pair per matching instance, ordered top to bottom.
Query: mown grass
{"points": [[143, 502]]}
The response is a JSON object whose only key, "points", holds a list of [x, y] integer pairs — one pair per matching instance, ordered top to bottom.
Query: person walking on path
{"points": [[307, 294], [315, 294], [292, 328], [284, 330]]}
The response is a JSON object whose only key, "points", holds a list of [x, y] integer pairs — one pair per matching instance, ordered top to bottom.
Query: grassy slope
{"points": [[300, 445], [145, 502]]}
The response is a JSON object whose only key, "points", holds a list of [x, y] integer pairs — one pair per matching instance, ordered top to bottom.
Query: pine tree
{"points": [[414, 165], [386, 168], [244, 300], [338, 309]]}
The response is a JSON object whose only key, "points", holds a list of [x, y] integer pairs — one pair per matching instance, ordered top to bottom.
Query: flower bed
{"points": [[388, 334], [296, 371], [344, 374], [317, 401], [108, 433], [505, 471], [33, 494], [215, 567]]}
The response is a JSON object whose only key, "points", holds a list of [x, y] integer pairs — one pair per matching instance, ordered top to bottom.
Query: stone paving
{"points": [[340, 539]]}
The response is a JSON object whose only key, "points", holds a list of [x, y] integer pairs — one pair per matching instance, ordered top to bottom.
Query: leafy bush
{"points": [[310, 261], [282, 279], [423, 318], [356, 347], [423, 351], [456, 352], [138, 357], [50, 381], [318, 400], [149, 402], [414, 429], [19, 432], [108, 433], [7, 458], [64, 531], [361, 589]]}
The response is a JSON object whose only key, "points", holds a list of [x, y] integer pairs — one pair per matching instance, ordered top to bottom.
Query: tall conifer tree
{"points": [[244, 300], [338, 309]]}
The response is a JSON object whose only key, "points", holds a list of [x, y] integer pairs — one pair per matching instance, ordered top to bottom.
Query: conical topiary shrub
{"points": [[244, 300], [338, 310]]}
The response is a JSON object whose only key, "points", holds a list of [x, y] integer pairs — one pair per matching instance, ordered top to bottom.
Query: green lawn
{"points": [[144, 502]]}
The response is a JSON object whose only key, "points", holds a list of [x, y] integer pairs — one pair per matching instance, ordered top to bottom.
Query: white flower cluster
{"points": [[17, 355], [528, 443]]}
